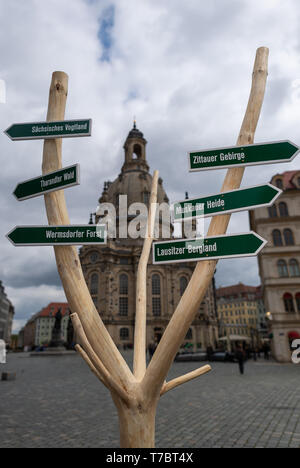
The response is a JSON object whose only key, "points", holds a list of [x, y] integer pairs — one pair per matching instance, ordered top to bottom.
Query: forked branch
{"points": [[67, 258], [204, 271], [94, 362]]}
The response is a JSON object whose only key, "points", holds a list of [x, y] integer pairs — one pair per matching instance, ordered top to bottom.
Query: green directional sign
{"points": [[45, 130], [248, 155], [64, 178], [226, 202], [57, 235], [210, 248]]}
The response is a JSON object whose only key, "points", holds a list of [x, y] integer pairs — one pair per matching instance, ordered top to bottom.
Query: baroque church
{"points": [[110, 270]]}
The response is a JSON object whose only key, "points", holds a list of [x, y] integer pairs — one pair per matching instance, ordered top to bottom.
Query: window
{"points": [[137, 152], [299, 181], [279, 183], [146, 197], [283, 209], [272, 211], [288, 237], [277, 239], [94, 257], [124, 261], [294, 267], [282, 269], [94, 283], [124, 285], [156, 285], [183, 285], [156, 291], [123, 295], [298, 301], [288, 303], [123, 306], [156, 306], [124, 334], [189, 335]]}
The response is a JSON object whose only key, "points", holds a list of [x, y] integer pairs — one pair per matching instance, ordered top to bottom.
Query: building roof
{"points": [[135, 132], [287, 179], [235, 291], [52, 309]]}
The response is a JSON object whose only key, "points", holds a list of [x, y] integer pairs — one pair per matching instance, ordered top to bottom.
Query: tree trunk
{"points": [[137, 426]]}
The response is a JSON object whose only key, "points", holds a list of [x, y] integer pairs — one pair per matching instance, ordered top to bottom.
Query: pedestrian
{"points": [[151, 348], [266, 351], [240, 356]]}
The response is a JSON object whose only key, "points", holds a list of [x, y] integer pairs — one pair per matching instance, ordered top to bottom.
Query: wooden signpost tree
{"points": [[136, 394]]}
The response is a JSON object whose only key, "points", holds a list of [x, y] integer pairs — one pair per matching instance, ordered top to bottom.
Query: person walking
{"points": [[240, 356]]}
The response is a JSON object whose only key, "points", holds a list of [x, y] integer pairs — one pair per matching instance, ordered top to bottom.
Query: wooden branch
{"points": [[67, 259], [204, 271], [85, 357], [139, 361], [105, 376], [184, 378]]}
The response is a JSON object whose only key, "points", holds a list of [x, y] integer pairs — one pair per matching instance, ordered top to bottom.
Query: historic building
{"points": [[279, 262], [111, 270], [241, 312], [6, 316], [38, 329]]}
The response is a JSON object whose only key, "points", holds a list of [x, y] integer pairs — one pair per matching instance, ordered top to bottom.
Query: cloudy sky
{"points": [[182, 68]]}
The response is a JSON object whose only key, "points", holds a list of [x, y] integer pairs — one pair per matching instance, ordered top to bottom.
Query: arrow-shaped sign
{"points": [[45, 130], [249, 155], [64, 178], [226, 202], [58, 235], [210, 248]]}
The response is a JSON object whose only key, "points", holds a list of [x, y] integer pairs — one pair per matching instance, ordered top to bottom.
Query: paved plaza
{"points": [[57, 402]]}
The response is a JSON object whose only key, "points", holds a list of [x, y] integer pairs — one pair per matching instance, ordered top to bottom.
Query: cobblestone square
{"points": [[57, 402]]}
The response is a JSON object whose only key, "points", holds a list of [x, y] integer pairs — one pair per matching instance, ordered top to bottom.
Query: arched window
{"points": [[137, 151], [279, 183], [283, 209], [272, 211], [288, 237], [277, 239], [294, 267], [282, 269], [94, 284], [124, 285], [183, 285], [123, 295], [156, 300], [298, 301], [288, 302], [124, 334], [189, 335]]}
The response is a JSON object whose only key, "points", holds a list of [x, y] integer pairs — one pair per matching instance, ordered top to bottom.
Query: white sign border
{"points": [[50, 137], [258, 163], [73, 184], [217, 213], [59, 243], [209, 258]]}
